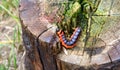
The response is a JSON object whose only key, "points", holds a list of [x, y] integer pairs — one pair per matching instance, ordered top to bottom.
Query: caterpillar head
{"points": [[57, 29]]}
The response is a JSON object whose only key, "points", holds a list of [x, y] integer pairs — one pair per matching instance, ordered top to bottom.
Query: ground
{"points": [[10, 51]]}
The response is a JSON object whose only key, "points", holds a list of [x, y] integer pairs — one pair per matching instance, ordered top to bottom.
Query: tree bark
{"points": [[43, 50]]}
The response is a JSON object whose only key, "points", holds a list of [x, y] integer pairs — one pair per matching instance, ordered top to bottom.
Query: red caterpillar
{"points": [[69, 43]]}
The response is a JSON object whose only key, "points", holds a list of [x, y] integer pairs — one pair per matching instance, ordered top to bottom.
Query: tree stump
{"points": [[43, 50]]}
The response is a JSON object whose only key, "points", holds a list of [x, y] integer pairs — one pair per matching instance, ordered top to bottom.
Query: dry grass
{"points": [[10, 35]]}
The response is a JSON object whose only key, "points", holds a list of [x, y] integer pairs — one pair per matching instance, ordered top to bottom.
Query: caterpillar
{"points": [[69, 43]]}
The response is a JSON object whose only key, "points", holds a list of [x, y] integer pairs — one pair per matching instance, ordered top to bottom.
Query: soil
{"points": [[7, 29]]}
